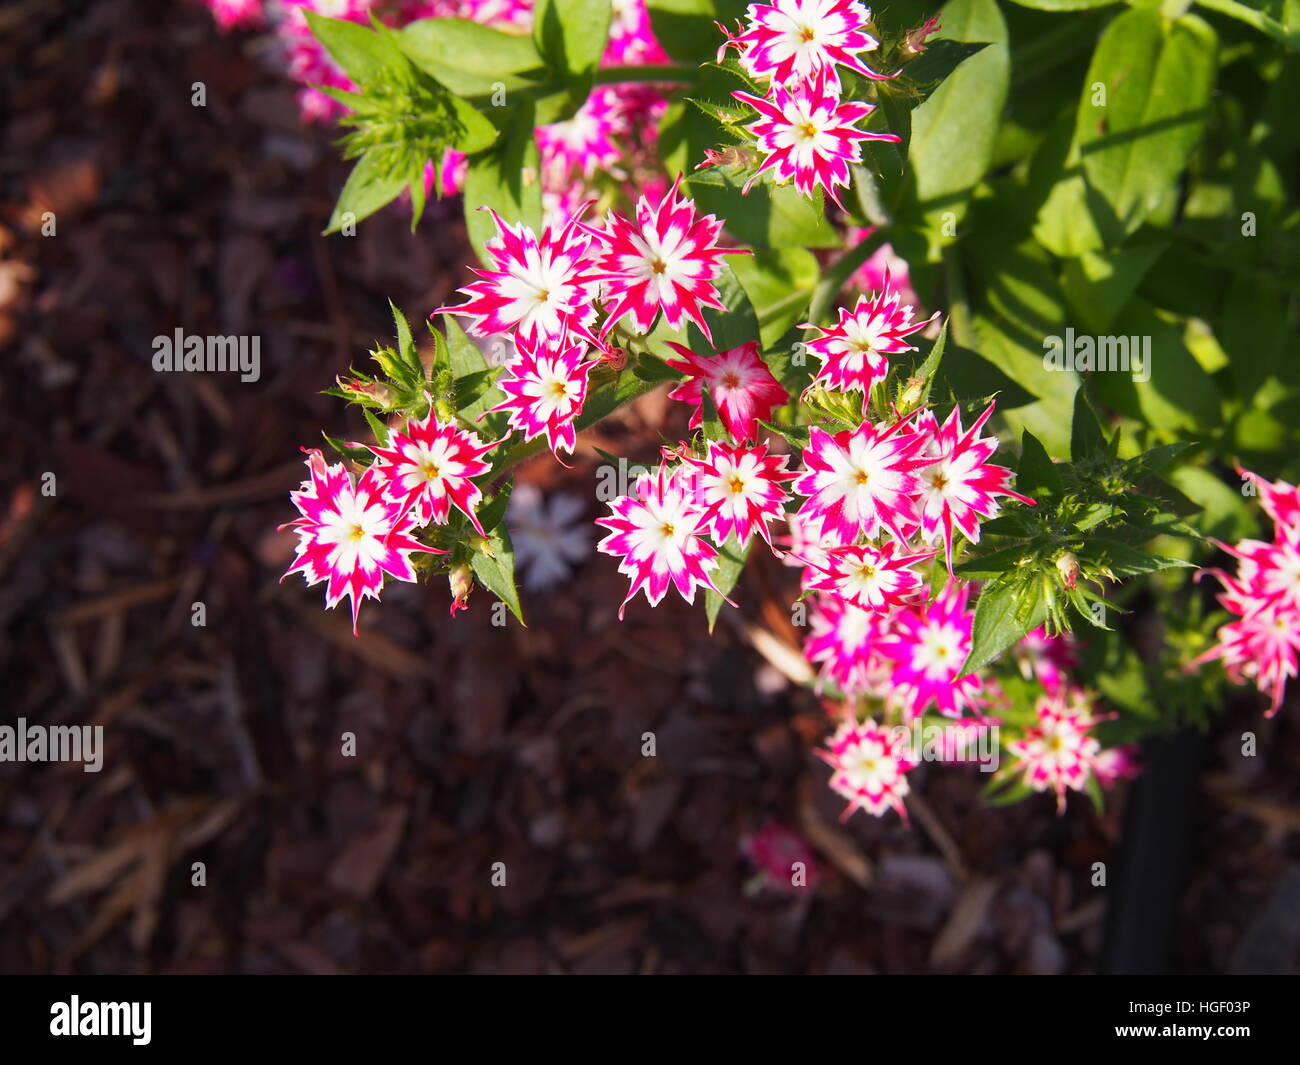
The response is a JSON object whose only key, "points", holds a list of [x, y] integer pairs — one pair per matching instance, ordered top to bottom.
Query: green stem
{"points": [[1266, 24], [666, 72], [829, 287], [963, 332]]}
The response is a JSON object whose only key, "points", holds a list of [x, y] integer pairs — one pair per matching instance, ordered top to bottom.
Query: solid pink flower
{"points": [[789, 41], [809, 136], [667, 260], [884, 262], [539, 286], [855, 351], [740, 383], [545, 386], [428, 469], [860, 480], [960, 488], [740, 490], [659, 531], [350, 535], [872, 578], [928, 645], [1059, 752], [1117, 763], [870, 766], [781, 855]]}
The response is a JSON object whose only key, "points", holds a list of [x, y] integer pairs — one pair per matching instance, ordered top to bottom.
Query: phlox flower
{"points": [[230, 14], [631, 38], [789, 41], [809, 136], [583, 144], [668, 259], [884, 263], [539, 286], [855, 351], [741, 385], [545, 386], [429, 466], [863, 479], [960, 488], [740, 490], [1281, 501], [659, 531], [350, 534], [547, 542], [807, 543], [872, 578], [842, 641], [927, 645], [1259, 648], [1048, 659], [1059, 752], [1117, 763], [870, 766], [774, 850]]}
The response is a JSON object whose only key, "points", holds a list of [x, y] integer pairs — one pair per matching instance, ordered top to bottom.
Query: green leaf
{"points": [[1064, 5], [685, 28], [571, 34], [364, 55], [469, 58], [941, 58], [1158, 76], [953, 131], [504, 179], [370, 186], [779, 283], [1099, 284], [737, 324], [405, 344], [930, 367], [472, 376], [710, 423], [377, 427], [794, 435], [1087, 439], [355, 453], [1037, 476], [491, 513], [731, 560], [1122, 560], [994, 564], [496, 570], [1007, 608]]}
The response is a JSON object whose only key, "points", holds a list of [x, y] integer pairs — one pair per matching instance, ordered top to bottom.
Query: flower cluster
{"points": [[806, 131], [353, 534], [1260, 645], [1059, 753]]}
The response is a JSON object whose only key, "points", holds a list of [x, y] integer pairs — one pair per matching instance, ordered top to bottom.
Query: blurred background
{"points": [[475, 744]]}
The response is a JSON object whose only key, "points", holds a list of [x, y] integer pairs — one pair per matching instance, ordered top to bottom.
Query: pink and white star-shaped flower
{"points": [[788, 41], [809, 136], [667, 260], [538, 286], [855, 351], [740, 383], [545, 386], [428, 469], [860, 480], [960, 488], [740, 490], [659, 531], [351, 534], [870, 578], [842, 641], [928, 645], [1059, 753], [870, 768]]}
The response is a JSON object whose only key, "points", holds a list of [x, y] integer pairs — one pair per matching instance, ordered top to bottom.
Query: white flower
{"points": [[547, 542]]}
